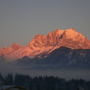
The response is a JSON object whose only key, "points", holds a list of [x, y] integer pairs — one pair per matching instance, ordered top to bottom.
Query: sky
{"points": [[21, 20]]}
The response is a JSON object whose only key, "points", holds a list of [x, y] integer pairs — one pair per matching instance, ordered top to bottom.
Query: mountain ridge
{"points": [[45, 44]]}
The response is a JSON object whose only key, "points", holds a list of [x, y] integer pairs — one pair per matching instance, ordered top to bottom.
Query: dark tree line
{"points": [[44, 83]]}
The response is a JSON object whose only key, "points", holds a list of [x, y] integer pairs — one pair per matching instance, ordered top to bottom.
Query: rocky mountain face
{"points": [[43, 46]]}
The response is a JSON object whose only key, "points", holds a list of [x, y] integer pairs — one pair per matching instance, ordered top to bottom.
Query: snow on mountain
{"points": [[42, 45]]}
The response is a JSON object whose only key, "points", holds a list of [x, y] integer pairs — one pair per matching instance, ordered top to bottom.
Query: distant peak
{"points": [[71, 29], [58, 31], [73, 34], [16, 46]]}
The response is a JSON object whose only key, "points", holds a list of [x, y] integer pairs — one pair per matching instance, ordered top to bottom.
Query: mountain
{"points": [[42, 46], [62, 57]]}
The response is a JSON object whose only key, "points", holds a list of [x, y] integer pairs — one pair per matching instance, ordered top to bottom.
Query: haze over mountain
{"points": [[42, 45]]}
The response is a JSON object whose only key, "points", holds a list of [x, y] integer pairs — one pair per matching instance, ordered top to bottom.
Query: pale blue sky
{"points": [[20, 20]]}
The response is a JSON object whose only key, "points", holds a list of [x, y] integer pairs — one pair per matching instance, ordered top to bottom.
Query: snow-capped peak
{"points": [[45, 44]]}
